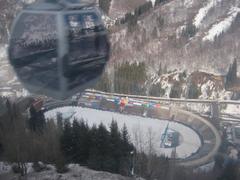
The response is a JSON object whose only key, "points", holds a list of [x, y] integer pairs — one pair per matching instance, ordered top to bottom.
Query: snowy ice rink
{"points": [[144, 132]]}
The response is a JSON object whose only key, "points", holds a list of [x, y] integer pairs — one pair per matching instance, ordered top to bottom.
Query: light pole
{"points": [[132, 163]]}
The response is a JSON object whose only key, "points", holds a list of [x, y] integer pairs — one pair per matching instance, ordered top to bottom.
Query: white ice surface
{"points": [[141, 129]]}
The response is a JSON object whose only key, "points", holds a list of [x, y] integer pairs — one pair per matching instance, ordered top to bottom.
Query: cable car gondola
{"points": [[58, 48]]}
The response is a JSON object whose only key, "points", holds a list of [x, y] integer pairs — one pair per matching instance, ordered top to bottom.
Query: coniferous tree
{"points": [[105, 5], [189, 31], [165, 69], [160, 70], [234, 70], [232, 74], [130, 78], [104, 83], [156, 90], [175, 91], [193, 92], [37, 120], [59, 120], [66, 141], [76, 141], [81, 143], [126, 143], [115, 146], [97, 147], [127, 149], [93, 150], [99, 151], [230, 171]]}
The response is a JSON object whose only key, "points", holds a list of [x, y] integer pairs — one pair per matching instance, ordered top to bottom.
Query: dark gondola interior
{"points": [[59, 51]]}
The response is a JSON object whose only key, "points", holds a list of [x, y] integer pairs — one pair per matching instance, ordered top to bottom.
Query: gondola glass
{"points": [[58, 51]]}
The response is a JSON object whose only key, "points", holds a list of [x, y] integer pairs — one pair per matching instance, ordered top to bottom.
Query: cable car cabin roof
{"points": [[58, 5]]}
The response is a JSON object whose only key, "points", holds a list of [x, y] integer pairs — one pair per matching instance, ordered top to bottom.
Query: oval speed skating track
{"points": [[206, 146]]}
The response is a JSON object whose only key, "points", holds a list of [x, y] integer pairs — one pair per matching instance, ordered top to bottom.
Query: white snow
{"points": [[28, 1], [153, 2], [188, 3], [202, 13], [222, 26], [179, 31], [3, 51], [176, 77], [12, 80], [206, 89], [232, 109], [140, 129], [4, 167], [206, 167], [75, 172]]}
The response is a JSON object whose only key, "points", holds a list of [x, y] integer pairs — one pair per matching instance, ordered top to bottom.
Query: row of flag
{"points": [[124, 101]]}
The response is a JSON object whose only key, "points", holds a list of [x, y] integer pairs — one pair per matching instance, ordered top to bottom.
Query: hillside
{"points": [[187, 35], [181, 36], [76, 172]]}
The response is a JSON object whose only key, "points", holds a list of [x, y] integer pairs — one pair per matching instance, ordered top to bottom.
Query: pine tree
{"points": [[105, 5], [160, 69], [165, 69], [234, 71], [232, 74], [130, 78], [104, 83], [156, 90], [175, 91], [193, 91], [37, 120], [59, 120], [125, 135], [66, 141], [76, 141], [83, 143], [126, 143], [103, 146], [115, 147], [126, 148], [99, 150], [93, 160]]}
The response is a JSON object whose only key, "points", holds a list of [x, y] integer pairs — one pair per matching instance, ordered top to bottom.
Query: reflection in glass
{"points": [[88, 48], [34, 49]]}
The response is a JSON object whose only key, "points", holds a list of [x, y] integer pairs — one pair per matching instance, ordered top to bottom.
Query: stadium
{"points": [[187, 138]]}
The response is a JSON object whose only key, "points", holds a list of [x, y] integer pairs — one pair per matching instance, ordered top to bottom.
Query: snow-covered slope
{"points": [[119, 8], [223, 26], [180, 34], [183, 34], [207, 85], [75, 172]]}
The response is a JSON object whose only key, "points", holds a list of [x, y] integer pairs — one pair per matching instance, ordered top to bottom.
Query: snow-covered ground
{"points": [[153, 2], [188, 3], [202, 13], [223, 26], [3, 51], [232, 109], [143, 131], [4, 167], [75, 172]]}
